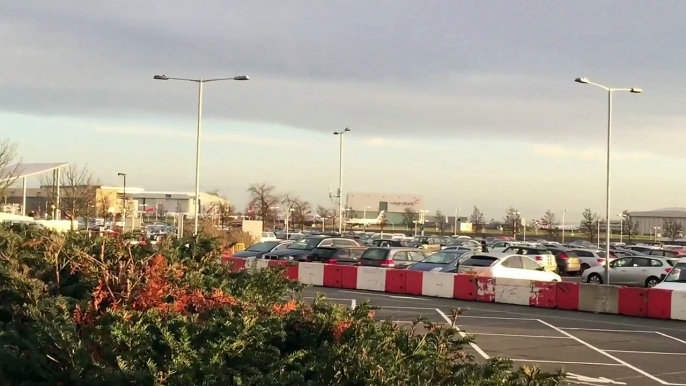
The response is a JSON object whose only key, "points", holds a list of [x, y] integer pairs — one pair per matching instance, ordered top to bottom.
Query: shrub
{"points": [[98, 311]]}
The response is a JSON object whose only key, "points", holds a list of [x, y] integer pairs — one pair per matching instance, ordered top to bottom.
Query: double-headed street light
{"points": [[200, 82], [609, 90]]}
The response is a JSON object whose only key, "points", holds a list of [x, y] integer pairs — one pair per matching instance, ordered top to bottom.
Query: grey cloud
{"points": [[495, 70]]}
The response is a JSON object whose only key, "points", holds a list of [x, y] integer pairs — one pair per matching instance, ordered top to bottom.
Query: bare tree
{"points": [[8, 165], [77, 192], [263, 197], [104, 202], [221, 208], [300, 208], [409, 217], [477, 219], [512, 220], [439, 221], [547, 222], [590, 222], [630, 226], [672, 229]]}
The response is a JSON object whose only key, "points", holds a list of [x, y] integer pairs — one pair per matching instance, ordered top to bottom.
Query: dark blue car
{"points": [[443, 261]]}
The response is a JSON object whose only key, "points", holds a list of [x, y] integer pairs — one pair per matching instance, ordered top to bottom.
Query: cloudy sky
{"points": [[463, 102]]}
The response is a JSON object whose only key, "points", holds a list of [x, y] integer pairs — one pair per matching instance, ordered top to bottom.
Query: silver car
{"points": [[641, 271]]}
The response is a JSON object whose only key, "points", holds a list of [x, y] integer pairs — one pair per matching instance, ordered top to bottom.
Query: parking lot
{"points": [[593, 349]]}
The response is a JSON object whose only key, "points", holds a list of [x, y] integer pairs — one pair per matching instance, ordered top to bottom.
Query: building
{"points": [[370, 204], [648, 221]]}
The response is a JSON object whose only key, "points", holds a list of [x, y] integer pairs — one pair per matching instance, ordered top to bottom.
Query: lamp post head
{"points": [[160, 77], [241, 77], [583, 80], [636, 90], [346, 130], [121, 174]]}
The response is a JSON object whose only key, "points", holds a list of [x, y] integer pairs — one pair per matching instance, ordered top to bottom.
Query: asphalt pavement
{"points": [[594, 349]]}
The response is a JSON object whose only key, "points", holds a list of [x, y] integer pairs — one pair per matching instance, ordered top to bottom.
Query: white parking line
{"points": [[353, 303], [604, 330], [462, 334], [519, 336], [670, 337], [592, 347], [646, 352], [566, 363]]}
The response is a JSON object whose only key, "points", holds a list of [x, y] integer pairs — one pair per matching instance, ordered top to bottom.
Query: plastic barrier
{"points": [[261, 263], [291, 268], [311, 273], [332, 276], [348, 277], [371, 278], [395, 281], [413, 282], [438, 284], [464, 287], [485, 289], [513, 291], [543, 294], [567, 295], [598, 298], [633, 301], [640, 302], [659, 303], [678, 305]]}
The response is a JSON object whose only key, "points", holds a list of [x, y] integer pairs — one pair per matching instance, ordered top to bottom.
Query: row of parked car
{"points": [[637, 265]]}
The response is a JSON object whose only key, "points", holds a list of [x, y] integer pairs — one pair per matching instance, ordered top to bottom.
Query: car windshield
{"points": [[306, 243], [262, 247], [324, 252], [374, 254], [441, 258], [480, 261], [677, 274]]}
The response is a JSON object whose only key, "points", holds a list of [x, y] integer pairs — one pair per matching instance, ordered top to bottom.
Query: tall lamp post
{"points": [[200, 82], [609, 90], [340, 178], [123, 210], [457, 213], [563, 225], [621, 226]]}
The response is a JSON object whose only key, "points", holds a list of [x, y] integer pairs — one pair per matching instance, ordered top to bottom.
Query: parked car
{"points": [[268, 236], [390, 243], [429, 243], [465, 243], [501, 245], [301, 248], [260, 249], [540, 254], [671, 254], [336, 255], [391, 257], [592, 258], [567, 260], [443, 261], [506, 265], [631, 271], [676, 278]]}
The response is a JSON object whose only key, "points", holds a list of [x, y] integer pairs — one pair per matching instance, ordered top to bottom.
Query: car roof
{"points": [[495, 255]]}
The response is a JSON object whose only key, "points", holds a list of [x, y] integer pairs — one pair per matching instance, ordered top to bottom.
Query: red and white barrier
{"points": [[640, 302]]}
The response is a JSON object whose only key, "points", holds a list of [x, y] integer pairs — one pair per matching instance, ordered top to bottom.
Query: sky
{"points": [[463, 102]]}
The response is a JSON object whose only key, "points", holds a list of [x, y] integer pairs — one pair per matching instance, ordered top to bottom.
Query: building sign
{"points": [[407, 203]]}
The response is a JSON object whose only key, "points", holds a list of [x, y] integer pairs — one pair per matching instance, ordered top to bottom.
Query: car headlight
{"points": [[437, 269]]}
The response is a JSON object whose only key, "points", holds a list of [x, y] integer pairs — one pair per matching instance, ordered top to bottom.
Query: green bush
{"points": [[98, 311]]}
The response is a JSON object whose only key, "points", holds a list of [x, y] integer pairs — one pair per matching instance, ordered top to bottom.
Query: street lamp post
{"points": [[200, 83], [609, 90], [340, 178], [123, 210], [276, 212], [288, 212], [457, 213], [422, 218], [563, 225]]}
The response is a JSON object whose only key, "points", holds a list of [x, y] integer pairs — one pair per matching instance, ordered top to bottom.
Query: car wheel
{"points": [[584, 267], [594, 278], [652, 282]]}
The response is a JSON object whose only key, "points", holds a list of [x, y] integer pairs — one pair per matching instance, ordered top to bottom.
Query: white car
{"points": [[268, 236], [500, 246], [591, 258], [506, 265], [641, 271], [676, 278]]}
